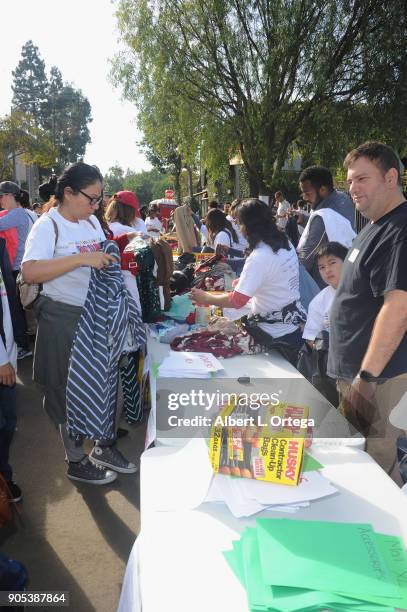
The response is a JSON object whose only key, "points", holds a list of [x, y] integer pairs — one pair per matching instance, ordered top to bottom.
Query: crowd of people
{"points": [[305, 280], [358, 315]]}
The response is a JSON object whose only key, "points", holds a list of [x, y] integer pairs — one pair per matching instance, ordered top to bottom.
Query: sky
{"points": [[79, 37]]}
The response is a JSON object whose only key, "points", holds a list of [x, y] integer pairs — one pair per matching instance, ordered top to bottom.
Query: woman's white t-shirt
{"points": [[118, 228], [73, 238], [226, 239], [272, 282], [318, 313]]}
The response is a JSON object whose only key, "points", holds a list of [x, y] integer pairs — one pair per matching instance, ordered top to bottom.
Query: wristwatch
{"points": [[368, 377]]}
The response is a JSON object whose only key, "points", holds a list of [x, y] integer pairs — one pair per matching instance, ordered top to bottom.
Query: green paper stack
{"points": [[287, 565]]}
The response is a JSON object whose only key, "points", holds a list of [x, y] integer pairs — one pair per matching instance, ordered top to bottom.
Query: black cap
{"points": [[9, 187]]}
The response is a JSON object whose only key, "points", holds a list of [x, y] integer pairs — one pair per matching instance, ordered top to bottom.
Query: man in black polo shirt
{"points": [[368, 320]]}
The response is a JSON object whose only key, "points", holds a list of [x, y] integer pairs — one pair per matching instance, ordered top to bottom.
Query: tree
{"points": [[262, 72], [30, 84], [56, 106], [68, 114], [69, 126], [20, 136], [114, 180]]}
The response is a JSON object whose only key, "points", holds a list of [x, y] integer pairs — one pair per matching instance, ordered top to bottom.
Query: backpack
{"points": [[30, 292]]}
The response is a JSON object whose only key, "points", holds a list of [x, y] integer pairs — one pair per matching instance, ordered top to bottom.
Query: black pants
{"points": [[20, 333], [288, 346], [7, 427]]}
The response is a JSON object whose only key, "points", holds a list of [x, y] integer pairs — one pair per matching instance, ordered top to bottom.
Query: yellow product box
{"points": [[266, 447]]}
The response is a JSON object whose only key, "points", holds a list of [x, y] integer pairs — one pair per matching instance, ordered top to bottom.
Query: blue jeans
{"points": [[8, 421]]}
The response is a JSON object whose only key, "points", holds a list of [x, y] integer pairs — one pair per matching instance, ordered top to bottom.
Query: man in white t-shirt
{"points": [[283, 209], [153, 223]]}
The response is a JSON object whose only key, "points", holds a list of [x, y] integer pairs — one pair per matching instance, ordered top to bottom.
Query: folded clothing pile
{"points": [[217, 343]]}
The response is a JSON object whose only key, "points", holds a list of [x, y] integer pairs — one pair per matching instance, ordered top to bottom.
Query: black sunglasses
{"points": [[93, 201]]}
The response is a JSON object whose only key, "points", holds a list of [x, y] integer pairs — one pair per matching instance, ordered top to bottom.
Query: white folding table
{"points": [[177, 564]]}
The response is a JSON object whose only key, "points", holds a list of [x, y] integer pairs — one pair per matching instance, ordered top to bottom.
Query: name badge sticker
{"points": [[352, 257]]}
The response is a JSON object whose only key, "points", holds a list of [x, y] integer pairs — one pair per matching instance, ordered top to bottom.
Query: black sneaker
{"points": [[111, 457], [86, 471], [15, 492]]}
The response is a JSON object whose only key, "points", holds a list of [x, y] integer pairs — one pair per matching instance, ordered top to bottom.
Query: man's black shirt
{"points": [[376, 264]]}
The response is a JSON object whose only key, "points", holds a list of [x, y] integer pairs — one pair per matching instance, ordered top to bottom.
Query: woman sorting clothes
{"points": [[232, 217], [123, 220], [221, 231], [61, 249], [269, 283]]}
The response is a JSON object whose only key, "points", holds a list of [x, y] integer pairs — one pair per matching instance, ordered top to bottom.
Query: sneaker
{"points": [[22, 353], [111, 457], [86, 471], [15, 492]]}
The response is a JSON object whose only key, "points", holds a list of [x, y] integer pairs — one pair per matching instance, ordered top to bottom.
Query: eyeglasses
{"points": [[93, 201]]}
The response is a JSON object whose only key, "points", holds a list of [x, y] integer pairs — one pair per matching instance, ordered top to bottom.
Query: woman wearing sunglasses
{"points": [[61, 249]]}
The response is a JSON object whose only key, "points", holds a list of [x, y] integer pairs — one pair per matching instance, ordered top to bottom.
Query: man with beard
{"points": [[331, 219]]}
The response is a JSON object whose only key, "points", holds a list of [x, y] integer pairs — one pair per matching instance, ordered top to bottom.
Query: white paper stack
{"points": [[189, 365], [245, 497]]}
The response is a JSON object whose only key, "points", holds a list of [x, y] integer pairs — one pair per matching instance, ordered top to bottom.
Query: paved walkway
{"points": [[71, 537]]}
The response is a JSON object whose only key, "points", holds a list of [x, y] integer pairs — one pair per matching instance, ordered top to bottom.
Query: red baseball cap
{"points": [[129, 198]]}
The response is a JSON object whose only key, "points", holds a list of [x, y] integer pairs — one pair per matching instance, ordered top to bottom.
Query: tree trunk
{"points": [[253, 168], [177, 185], [190, 187]]}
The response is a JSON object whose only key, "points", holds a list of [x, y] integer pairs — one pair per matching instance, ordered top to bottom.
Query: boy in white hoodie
{"points": [[330, 258]]}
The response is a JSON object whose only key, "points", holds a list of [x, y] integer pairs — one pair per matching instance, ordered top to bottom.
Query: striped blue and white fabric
{"points": [[109, 315], [132, 398]]}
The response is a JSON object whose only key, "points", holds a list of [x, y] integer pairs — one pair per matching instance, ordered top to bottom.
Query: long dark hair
{"points": [[76, 176], [100, 216], [216, 222], [259, 225]]}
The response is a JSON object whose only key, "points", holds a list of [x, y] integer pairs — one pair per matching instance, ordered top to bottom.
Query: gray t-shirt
{"points": [[18, 219]]}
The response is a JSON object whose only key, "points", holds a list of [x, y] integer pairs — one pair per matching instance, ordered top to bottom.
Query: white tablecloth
{"points": [[177, 563]]}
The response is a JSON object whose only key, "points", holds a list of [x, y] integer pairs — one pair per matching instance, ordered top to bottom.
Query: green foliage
{"points": [[259, 76], [30, 84], [55, 106], [19, 135], [113, 180], [148, 185]]}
